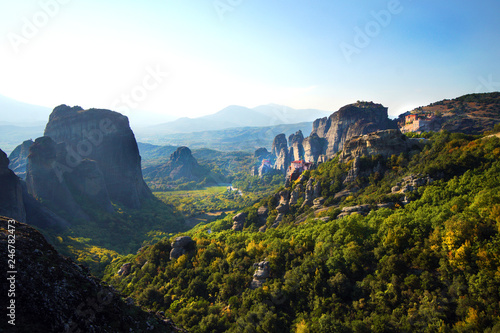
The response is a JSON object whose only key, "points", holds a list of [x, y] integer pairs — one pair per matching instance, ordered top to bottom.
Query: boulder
{"points": [[296, 194], [284, 197], [318, 203], [361, 209], [262, 213], [239, 221], [180, 246], [125, 269], [261, 274]]}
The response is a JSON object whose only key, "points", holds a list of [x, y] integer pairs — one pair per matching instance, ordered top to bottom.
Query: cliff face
{"points": [[350, 121], [329, 134], [104, 137], [385, 143], [296, 149], [19, 158], [46, 177], [11, 194], [17, 203], [54, 294]]}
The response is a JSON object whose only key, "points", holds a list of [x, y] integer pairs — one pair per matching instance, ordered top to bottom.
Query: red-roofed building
{"points": [[300, 165]]}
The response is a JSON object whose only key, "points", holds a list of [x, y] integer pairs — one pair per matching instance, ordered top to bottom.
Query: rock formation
{"points": [[350, 121], [329, 134], [105, 137], [385, 143], [279, 144], [314, 148], [296, 150], [261, 153], [19, 158], [182, 165], [263, 169], [47, 181], [11, 193], [17, 203], [361, 209], [262, 213], [239, 221], [180, 246], [125, 269], [261, 274], [54, 294]]}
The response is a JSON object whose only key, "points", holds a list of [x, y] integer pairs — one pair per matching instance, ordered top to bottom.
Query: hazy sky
{"points": [[194, 57]]}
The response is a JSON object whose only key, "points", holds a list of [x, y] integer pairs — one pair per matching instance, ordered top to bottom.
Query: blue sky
{"points": [[157, 59]]}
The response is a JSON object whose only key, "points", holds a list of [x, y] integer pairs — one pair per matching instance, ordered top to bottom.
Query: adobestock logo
{"points": [[222, 7], [32, 26], [363, 36], [487, 84], [139, 93]]}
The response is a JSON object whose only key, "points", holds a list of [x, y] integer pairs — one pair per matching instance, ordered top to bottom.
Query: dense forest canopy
{"points": [[430, 265]]}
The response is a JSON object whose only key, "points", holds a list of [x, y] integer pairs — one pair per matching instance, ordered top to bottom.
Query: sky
{"points": [[161, 59]]}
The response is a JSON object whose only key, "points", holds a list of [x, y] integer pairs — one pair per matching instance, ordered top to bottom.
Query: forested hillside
{"points": [[428, 264]]}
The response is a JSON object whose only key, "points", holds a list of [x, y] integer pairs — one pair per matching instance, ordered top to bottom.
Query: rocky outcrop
{"points": [[350, 121], [329, 134], [105, 137], [279, 143], [385, 143], [314, 148], [296, 150], [261, 153], [19, 158], [182, 165], [263, 169], [354, 171], [46, 180], [409, 184], [11, 193], [309, 193], [295, 196], [17, 203], [318, 203], [283, 206], [361, 209], [262, 214], [239, 221], [180, 246], [125, 269], [261, 274], [54, 294]]}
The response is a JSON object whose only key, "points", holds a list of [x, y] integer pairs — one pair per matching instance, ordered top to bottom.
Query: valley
{"points": [[353, 226]]}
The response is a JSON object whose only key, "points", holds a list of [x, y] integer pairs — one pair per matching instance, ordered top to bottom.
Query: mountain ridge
{"points": [[237, 116]]}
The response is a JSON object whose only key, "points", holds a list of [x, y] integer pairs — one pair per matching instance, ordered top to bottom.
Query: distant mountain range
{"points": [[22, 114], [235, 116], [21, 121], [231, 139]]}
